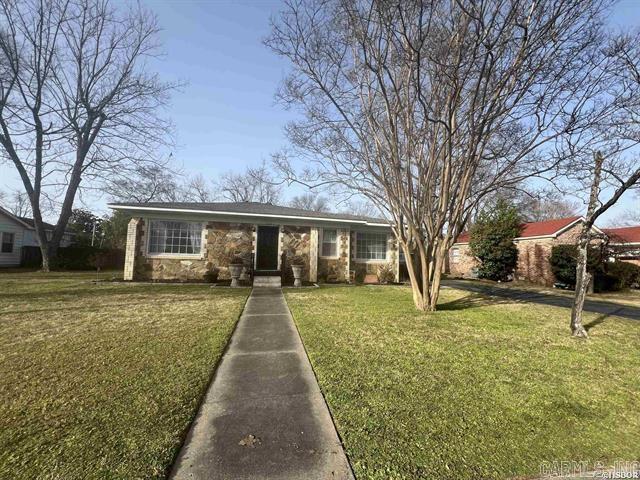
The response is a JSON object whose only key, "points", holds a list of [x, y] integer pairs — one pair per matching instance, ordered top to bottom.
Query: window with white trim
{"points": [[177, 238], [8, 240], [329, 243], [371, 246], [455, 255]]}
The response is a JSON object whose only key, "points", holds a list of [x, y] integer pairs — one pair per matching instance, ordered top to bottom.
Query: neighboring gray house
{"points": [[19, 232], [185, 241]]}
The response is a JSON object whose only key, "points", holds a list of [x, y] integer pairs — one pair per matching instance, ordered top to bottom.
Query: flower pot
{"points": [[235, 270], [297, 275]]}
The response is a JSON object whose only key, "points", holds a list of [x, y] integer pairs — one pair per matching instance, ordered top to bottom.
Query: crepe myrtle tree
{"points": [[78, 100], [426, 108]]}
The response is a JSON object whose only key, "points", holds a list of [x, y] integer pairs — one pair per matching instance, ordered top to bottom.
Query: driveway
{"points": [[520, 295]]}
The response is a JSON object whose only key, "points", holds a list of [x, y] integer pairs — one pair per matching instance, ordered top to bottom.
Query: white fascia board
{"points": [[242, 214], [567, 227]]}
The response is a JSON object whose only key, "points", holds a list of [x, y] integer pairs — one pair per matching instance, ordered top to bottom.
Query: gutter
{"points": [[242, 214]]}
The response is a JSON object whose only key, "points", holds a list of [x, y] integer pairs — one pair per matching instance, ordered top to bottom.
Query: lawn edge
{"points": [[324, 398], [169, 470]]}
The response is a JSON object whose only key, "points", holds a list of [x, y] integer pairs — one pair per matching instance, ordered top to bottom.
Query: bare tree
{"points": [[77, 101], [426, 108], [614, 171], [148, 183], [256, 184], [197, 189], [310, 201], [17, 202], [545, 205], [360, 207], [596, 207]]}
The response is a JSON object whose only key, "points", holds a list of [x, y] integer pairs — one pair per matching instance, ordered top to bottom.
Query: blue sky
{"points": [[226, 117]]}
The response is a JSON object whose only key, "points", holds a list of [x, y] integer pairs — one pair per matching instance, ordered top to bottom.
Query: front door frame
{"points": [[255, 256]]}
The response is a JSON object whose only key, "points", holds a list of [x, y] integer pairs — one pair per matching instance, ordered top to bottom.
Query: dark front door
{"points": [[267, 248]]}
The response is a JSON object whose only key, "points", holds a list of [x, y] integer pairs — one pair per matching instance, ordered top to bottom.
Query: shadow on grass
{"points": [[473, 300], [596, 321]]}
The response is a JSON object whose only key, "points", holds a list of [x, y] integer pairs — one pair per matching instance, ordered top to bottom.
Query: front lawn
{"points": [[102, 380], [480, 389]]}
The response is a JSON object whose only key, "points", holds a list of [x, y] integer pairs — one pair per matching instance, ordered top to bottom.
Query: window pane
{"points": [[175, 237], [7, 242], [329, 243], [371, 246]]}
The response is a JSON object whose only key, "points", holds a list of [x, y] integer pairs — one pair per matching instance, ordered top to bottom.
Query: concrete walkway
{"points": [[594, 306], [263, 416]]}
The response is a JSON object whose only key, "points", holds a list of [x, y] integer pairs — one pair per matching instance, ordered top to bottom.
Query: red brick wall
{"points": [[533, 258]]}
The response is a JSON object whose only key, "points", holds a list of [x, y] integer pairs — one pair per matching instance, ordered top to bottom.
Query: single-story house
{"points": [[18, 234], [185, 241], [625, 243], [534, 249]]}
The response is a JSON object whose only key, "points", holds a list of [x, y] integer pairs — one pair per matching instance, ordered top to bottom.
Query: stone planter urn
{"points": [[235, 270], [297, 275]]}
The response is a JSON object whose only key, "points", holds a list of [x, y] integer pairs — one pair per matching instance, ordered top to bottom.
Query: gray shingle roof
{"points": [[248, 208], [31, 223]]}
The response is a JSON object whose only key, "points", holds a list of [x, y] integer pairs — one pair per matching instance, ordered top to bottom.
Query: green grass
{"points": [[102, 380], [480, 389]]}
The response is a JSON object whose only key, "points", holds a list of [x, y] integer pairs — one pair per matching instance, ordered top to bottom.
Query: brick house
{"points": [[185, 241], [625, 243], [534, 249]]}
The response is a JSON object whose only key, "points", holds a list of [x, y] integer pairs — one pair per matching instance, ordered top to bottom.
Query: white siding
{"points": [[9, 225]]}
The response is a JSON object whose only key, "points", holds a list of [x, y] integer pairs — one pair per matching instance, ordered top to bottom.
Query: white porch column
{"points": [[132, 248], [313, 255]]}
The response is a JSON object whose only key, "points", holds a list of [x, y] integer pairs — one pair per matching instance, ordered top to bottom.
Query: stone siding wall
{"points": [[226, 241], [222, 242], [296, 242], [336, 269]]}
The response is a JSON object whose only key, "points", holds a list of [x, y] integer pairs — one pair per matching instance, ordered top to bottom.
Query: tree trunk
{"points": [[46, 263], [416, 274], [436, 277], [583, 279]]}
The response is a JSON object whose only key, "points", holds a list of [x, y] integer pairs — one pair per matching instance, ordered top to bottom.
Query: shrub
{"points": [[491, 241], [86, 257], [237, 260], [298, 261], [386, 273], [211, 275], [627, 275], [607, 276]]}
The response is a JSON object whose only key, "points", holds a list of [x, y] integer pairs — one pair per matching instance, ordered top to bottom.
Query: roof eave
{"points": [[244, 214]]}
